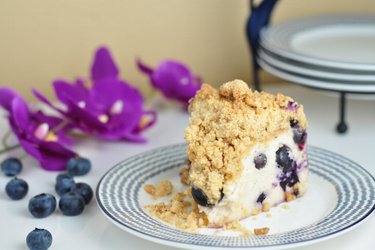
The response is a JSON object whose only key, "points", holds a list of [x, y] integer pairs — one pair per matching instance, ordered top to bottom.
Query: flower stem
{"points": [[5, 138], [7, 149]]}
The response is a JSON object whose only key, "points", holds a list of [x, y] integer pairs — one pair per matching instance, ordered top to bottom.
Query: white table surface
{"points": [[92, 230]]}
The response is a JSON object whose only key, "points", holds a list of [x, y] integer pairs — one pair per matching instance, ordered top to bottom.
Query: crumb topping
{"points": [[225, 124], [164, 188]]}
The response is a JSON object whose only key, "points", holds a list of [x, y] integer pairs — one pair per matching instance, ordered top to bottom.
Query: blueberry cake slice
{"points": [[246, 151]]}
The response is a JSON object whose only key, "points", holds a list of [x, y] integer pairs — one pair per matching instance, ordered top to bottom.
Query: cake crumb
{"points": [[184, 175], [164, 188], [289, 196], [285, 206], [266, 207], [181, 211], [255, 211], [268, 215], [236, 226], [261, 231]]}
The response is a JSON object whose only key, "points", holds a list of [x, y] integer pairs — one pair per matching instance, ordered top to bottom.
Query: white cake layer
{"points": [[240, 196]]}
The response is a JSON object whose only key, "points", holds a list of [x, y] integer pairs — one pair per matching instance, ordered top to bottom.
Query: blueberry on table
{"points": [[260, 161], [11, 166], [77, 166], [64, 183], [16, 188], [84, 190], [71, 204], [42, 205], [39, 239]]}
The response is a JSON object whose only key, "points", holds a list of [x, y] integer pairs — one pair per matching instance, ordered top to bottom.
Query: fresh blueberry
{"points": [[293, 123], [299, 136], [283, 159], [260, 161], [11, 166], [78, 166], [63, 183], [16, 188], [84, 190], [261, 197], [201, 198], [71, 204], [42, 205], [39, 239]]}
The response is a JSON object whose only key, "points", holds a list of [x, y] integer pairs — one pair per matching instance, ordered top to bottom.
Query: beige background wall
{"points": [[41, 40]]}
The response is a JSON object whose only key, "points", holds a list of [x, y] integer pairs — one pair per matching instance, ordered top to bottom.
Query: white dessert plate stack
{"points": [[327, 52]]}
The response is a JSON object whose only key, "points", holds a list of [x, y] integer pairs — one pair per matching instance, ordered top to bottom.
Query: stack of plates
{"points": [[332, 52]]}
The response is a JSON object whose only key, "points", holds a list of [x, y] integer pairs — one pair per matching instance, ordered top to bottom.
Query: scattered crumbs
{"points": [[184, 175], [164, 188], [289, 196], [285, 206], [266, 207], [181, 211], [255, 211], [268, 215], [254, 218], [236, 226], [261, 231]]}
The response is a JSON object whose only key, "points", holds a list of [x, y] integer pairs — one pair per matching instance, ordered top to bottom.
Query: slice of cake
{"points": [[246, 151]]}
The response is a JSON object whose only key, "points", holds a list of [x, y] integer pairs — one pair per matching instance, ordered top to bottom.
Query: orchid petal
{"points": [[103, 66]]}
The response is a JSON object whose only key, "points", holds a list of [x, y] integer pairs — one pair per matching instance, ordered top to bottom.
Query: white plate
{"points": [[345, 42], [314, 71], [352, 87], [340, 197]]}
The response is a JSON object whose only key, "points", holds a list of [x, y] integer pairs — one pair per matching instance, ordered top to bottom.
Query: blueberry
{"points": [[293, 123], [299, 136], [282, 158], [260, 161], [11, 166], [78, 166], [289, 180], [63, 183], [16, 188], [84, 190], [261, 197], [201, 198], [71, 204], [42, 205], [39, 239]]}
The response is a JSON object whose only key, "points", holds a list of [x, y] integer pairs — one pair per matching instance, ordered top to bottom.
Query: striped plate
{"points": [[341, 195]]}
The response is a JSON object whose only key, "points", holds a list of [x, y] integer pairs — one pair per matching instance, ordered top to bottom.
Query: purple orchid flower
{"points": [[173, 79], [110, 109], [38, 134]]}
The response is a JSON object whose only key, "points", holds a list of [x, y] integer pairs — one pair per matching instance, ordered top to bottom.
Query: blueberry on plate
{"points": [[11, 166], [77, 166], [64, 182], [16, 188], [84, 190], [71, 204], [42, 205], [39, 239]]}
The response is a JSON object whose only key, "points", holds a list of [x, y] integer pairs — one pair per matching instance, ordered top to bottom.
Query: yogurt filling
{"points": [[262, 184]]}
